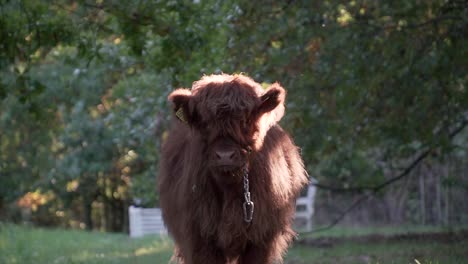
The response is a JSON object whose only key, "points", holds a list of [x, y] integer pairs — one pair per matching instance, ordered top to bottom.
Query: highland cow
{"points": [[229, 175]]}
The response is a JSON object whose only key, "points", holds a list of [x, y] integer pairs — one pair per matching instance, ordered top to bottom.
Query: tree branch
{"points": [[406, 170], [370, 191], [341, 216]]}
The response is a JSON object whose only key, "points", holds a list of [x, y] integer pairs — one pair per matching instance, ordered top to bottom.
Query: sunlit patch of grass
{"points": [[37, 245], [155, 248]]}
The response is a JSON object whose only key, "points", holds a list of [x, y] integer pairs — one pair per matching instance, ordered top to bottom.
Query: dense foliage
{"points": [[83, 88]]}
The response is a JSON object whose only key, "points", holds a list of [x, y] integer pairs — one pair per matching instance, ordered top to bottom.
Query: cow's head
{"points": [[231, 115]]}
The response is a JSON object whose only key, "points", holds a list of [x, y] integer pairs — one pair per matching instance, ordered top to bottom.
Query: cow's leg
{"points": [[270, 251], [203, 253], [256, 255], [177, 257]]}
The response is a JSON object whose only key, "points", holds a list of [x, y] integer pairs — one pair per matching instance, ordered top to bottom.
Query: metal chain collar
{"points": [[248, 204]]}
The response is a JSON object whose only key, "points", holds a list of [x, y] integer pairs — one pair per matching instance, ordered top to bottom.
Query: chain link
{"points": [[246, 180], [248, 204]]}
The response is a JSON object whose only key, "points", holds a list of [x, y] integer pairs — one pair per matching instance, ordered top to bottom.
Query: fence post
{"points": [[311, 198], [307, 202], [135, 223]]}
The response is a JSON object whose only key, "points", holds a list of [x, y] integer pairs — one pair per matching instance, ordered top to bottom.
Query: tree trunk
{"points": [[440, 171], [451, 171], [422, 198], [395, 200], [87, 209], [2, 210], [105, 216], [125, 217]]}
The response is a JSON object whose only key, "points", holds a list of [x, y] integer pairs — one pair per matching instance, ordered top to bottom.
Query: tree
{"points": [[373, 88]]}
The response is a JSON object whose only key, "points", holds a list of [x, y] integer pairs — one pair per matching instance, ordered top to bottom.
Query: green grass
{"points": [[339, 231], [20, 244], [36, 245], [404, 251], [400, 252]]}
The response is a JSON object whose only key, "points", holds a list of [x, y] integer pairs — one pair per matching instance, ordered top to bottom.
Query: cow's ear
{"points": [[180, 99], [273, 101]]}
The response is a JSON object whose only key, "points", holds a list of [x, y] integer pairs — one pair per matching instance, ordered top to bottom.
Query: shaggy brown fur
{"points": [[226, 123]]}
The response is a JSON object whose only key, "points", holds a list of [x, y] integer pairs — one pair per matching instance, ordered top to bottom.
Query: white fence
{"points": [[305, 206], [145, 221]]}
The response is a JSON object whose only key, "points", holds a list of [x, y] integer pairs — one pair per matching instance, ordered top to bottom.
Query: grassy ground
{"points": [[423, 244], [35, 245]]}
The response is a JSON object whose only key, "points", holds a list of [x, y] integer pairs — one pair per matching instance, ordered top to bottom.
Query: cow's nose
{"points": [[225, 156]]}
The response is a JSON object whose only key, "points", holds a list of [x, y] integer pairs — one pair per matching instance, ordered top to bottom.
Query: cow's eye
{"points": [[248, 149]]}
